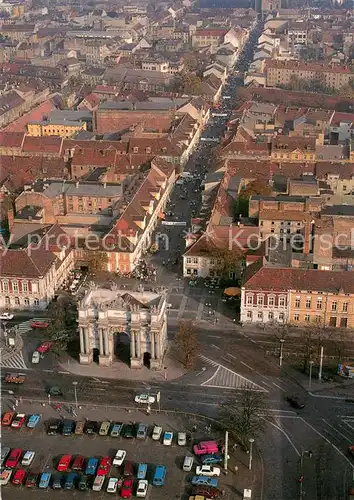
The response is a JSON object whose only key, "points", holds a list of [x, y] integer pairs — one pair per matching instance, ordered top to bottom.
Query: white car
{"points": [[6, 316], [36, 357], [144, 398], [156, 433], [167, 438], [182, 439], [28, 458], [119, 458], [207, 470], [5, 476], [112, 485], [142, 488]]}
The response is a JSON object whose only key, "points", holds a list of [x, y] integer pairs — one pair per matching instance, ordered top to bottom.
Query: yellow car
{"points": [[104, 429]]}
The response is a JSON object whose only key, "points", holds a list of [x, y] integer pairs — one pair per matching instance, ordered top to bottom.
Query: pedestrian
{"points": [[16, 402], [13, 408], [194, 428], [234, 447], [310, 454]]}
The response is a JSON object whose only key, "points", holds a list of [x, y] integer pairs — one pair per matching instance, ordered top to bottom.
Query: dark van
{"points": [[68, 427], [128, 468]]}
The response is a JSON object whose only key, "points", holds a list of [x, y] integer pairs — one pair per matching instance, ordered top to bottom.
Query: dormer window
{"points": [[135, 149]]}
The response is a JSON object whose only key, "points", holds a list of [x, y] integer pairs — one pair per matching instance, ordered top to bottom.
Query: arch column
{"points": [[85, 346], [105, 357], [136, 359]]}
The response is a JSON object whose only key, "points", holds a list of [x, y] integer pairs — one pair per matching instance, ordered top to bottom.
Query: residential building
{"points": [[204, 37], [59, 128], [293, 148]]}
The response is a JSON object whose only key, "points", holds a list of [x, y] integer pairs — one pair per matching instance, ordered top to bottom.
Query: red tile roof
{"points": [[36, 114], [11, 139], [52, 145], [31, 263], [284, 279]]}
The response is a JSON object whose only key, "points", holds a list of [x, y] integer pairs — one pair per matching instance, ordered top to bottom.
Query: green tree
{"points": [[255, 187], [96, 261], [228, 261], [186, 343], [244, 419]]}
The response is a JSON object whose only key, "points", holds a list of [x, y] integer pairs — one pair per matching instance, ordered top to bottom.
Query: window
{"points": [[189, 260], [195, 260], [188, 271], [5, 286], [15, 286], [24, 286], [34, 287], [250, 300], [260, 300], [7, 301], [17, 301], [26, 301], [271, 301], [281, 301], [36, 302], [297, 303], [308, 303], [319, 303], [334, 306], [345, 307], [249, 314], [260, 315], [270, 316], [281, 317], [296, 317], [307, 318], [318, 318], [332, 321], [344, 322]]}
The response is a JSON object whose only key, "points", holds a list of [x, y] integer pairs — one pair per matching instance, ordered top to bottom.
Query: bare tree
{"points": [[97, 261], [311, 340], [186, 343], [338, 344], [244, 419]]}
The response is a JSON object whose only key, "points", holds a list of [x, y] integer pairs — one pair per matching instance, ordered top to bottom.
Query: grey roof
{"points": [[67, 114], [54, 188], [279, 198], [339, 210]]}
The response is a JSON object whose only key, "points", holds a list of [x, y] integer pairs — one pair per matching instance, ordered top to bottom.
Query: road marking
{"points": [[214, 336], [216, 347], [231, 356], [245, 364], [48, 371], [265, 383], [276, 385], [348, 425], [337, 431], [286, 435], [329, 442]]}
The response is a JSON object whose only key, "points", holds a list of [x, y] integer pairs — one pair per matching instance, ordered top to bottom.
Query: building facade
{"points": [[142, 316]]}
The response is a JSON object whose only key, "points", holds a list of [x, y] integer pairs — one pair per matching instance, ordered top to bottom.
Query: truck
{"points": [[15, 378]]}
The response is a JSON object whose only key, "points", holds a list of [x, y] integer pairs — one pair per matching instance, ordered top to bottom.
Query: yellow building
{"points": [[65, 129], [287, 148]]}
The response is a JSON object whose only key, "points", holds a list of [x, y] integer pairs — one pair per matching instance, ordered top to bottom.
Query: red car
{"points": [[39, 324], [45, 346], [7, 418], [18, 421], [13, 459], [64, 463], [78, 463], [104, 467], [19, 477], [31, 480], [127, 488], [206, 491]]}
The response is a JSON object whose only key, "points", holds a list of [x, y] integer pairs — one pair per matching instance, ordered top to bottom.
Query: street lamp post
{"points": [[281, 352], [310, 374], [75, 392], [251, 441]]}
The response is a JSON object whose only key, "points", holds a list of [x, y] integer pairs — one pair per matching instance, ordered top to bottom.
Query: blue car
{"points": [[33, 421], [212, 459], [91, 467], [142, 471], [44, 480], [71, 480], [204, 481]]}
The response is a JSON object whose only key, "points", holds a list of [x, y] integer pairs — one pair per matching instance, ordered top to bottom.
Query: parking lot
{"points": [[50, 448]]}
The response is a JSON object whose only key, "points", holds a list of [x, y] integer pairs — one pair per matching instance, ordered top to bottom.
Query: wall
{"points": [[115, 120]]}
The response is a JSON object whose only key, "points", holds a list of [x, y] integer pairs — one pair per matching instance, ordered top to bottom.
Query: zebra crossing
{"points": [[25, 326], [16, 362], [227, 379]]}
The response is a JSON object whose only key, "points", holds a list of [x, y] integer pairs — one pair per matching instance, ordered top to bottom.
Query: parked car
{"points": [[5, 316], [39, 324], [45, 347], [36, 357], [144, 399], [295, 402], [7, 418], [18, 421], [33, 421], [54, 427], [68, 427], [90, 427], [79, 428], [104, 428], [116, 430], [129, 431], [142, 431], [156, 433], [167, 438], [182, 439], [5, 450], [28, 458], [119, 458], [13, 459], [212, 459], [64, 463], [78, 463], [187, 463], [91, 466], [104, 466], [128, 469], [207, 470], [142, 471], [159, 475], [5, 476], [18, 477], [31, 480], [44, 480], [71, 481], [207, 481], [57, 482], [84, 483], [98, 483], [112, 485], [142, 488], [126, 490], [206, 491]]}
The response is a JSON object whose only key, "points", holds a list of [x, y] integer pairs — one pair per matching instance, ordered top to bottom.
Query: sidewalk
{"points": [[120, 370]]}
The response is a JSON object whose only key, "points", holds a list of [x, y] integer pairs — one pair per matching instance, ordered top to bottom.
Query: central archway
{"points": [[147, 359]]}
